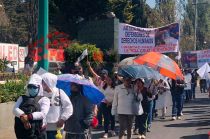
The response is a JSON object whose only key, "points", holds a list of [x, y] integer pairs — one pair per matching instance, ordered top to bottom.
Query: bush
{"points": [[95, 55], [11, 90]]}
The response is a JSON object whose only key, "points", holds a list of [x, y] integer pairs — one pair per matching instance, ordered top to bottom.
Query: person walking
{"points": [[193, 83], [203, 86], [153, 89], [187, 89], [177, 91], [164, 97], [60, 105], [106, 106], [122, 106], [30, 111], [141, 119], [78, 125]]}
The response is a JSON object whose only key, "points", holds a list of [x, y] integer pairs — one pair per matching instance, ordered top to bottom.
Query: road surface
{"points": [[194, 125]]}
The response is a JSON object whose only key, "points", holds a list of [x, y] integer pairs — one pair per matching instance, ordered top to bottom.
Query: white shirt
{"points": [[187, 79], [109, 94], [123, 101], [61, 108]]}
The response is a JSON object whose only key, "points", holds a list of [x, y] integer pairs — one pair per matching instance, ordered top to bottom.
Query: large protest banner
{"points": [[136, 40], [203, 57], [189, 59], [195, 59]]}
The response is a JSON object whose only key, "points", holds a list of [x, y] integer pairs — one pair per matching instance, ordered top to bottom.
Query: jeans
{"points": [[193, 90], [188, 94], [177, 99], [150, 113], [99, 115], [108, 117], [126, 122], [142, 123], [51, 134]]}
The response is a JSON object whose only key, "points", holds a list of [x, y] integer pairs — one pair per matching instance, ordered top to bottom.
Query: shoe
{"points": [[182, 114], [163, 117], [173, 118], [179, 118], [148, 129], [113, 133], [125, 133], [105, 135], [139, 137], [143, 137]]}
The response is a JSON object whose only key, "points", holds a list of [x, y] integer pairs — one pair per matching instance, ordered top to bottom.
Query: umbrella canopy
{"points": [[127, 61], [162, 63], [138, 71], [203, 71], [89, 89]]}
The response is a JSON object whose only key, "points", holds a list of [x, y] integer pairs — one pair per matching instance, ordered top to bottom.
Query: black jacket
{"points": [[82, 116]]}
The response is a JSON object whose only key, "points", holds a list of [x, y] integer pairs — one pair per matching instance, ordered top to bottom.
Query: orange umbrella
{"points": [[162, 63]]}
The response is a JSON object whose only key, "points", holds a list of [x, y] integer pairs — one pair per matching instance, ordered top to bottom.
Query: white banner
{"points": [[136, 40]]}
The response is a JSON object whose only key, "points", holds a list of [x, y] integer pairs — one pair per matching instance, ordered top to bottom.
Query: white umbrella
{"points": [[127, 61], [203, 71]]}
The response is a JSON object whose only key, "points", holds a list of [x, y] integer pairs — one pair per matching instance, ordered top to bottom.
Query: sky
{"points": [[151, 3]]}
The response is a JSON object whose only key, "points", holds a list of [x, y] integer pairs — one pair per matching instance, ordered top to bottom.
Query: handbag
{"points": [[137, 107]]}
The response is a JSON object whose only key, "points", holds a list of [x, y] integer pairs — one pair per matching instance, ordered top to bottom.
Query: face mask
{"points": [[33, 92]]}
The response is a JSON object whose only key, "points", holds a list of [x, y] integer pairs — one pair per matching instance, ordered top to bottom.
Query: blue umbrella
{"points": [[138, 71], [89, 89]]}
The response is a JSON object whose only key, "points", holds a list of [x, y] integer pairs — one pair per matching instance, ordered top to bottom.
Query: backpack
{"points": [[29, 105]]}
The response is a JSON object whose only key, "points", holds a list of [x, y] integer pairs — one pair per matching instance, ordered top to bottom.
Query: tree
{"points": [[203, 26]]}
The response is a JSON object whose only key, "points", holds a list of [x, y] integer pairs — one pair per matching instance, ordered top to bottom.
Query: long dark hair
{"points": [[112, 85]]}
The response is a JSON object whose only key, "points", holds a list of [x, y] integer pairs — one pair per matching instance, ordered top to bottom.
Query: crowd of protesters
{"points": [[134, 103]]}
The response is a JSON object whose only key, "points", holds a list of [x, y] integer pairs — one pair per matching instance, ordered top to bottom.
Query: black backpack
{"points": [[29, 105]]}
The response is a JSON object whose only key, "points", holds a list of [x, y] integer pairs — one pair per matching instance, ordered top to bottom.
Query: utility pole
{"points": [[196, 14], [43, 34], [195, 37]]}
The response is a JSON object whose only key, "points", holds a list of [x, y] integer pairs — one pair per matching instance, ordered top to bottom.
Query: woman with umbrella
{"points": [[144, 96], [122, 106]]}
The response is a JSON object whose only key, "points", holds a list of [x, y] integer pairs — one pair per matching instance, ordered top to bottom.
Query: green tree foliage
{"points": [[203, 26], [16, 31], [76, 49], [3, 64]]}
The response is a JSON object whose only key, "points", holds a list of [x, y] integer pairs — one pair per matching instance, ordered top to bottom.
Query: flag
{"points": [[82, 56]]}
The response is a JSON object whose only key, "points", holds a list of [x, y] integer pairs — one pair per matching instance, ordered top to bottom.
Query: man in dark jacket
{"points": [[177, 91], [77, 126]]}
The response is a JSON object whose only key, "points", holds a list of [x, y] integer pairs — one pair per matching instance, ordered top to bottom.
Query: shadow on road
{"points": [[201, 136]]}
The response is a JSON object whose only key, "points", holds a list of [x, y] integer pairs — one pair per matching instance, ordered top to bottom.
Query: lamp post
{"points": [[42, 34]]}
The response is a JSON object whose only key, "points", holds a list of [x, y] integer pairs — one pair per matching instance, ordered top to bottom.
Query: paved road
{"points": [[194, 125]]}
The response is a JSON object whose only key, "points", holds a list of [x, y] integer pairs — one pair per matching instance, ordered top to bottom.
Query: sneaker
{"points": [[182, 114], [163, 117], [173, 118], [179, 118], [113, 133], [125, 133], [105, 135], [139, 137], [143, 137]]}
